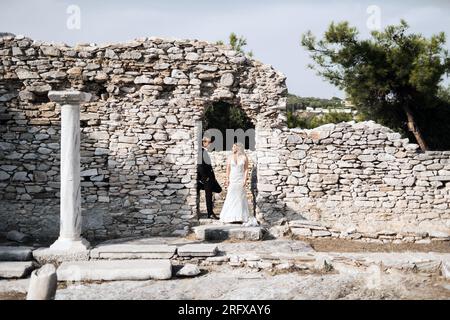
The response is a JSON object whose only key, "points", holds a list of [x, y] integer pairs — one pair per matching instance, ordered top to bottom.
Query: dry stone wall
{"points": [[139, 133], [353, 177]]}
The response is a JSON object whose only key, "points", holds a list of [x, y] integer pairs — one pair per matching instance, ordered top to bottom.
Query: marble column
{"points": [[70, 210]]}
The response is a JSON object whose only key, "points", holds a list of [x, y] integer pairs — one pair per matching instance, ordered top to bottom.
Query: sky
{"points": [[273, 29]]}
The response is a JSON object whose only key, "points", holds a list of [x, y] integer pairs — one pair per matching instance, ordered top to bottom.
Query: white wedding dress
{"points": [[235, 207]]}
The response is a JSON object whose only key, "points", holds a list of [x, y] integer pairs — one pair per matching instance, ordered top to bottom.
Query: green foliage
{"points": [[237, 43], [388, 77], [444, 94], [295, 102], [222, 116], [307, 120], [310, 121], [437, 124]]}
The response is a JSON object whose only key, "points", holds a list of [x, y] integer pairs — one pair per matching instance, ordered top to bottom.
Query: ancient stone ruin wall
{"points": [[139, 133], [359, 176]]}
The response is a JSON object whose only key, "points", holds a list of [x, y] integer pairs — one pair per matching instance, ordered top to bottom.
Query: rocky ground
{"points": [[342, 245], [381, 274], [237, 283]]}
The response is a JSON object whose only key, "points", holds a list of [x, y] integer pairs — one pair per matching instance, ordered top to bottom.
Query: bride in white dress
{"points": [[235, 207]]}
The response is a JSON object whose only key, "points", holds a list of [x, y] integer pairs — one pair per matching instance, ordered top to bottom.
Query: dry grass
{"points": [[342, 245], [12, 295]]}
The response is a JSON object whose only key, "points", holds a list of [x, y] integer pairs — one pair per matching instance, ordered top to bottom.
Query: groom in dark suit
{"points": [[206, 180]]}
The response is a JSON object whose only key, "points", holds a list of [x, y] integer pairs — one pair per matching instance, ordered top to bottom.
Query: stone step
{"points": [[207, 221], [228, 232], [197, 250], [133, 251], [12, 253], [49, 255], [15, 269], [110, 270]]}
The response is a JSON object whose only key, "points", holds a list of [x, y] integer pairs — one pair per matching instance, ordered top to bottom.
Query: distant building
{"points": [[348, 103]]}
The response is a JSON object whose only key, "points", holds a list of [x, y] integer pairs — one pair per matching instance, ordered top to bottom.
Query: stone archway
{"points": [[232, 122], [228, 131]]}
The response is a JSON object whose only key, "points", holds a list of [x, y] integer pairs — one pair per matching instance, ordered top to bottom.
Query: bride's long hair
{"points": [[240, 149]]}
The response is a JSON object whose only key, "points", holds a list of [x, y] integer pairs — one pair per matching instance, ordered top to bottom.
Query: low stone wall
{"points": [[359, 176], [305, 229]]}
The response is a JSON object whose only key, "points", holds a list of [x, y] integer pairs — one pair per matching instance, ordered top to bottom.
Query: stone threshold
{"points": [[217, 231]]}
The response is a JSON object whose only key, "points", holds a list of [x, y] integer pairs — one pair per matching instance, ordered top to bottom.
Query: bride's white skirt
{"points": [[235, 207]]}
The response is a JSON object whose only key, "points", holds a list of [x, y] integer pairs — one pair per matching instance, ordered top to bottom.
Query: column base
{"points": [[70, 245]]}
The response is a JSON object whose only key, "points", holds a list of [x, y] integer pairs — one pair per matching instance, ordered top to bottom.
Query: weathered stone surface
{"points": [[50, 51], [134, 55], [192, 56], [24, 74], [227, 79], [143, 80], [366, 158], [90, 172], [4, 176], [304, 223], [232, 232], [301, 232], [321, 233], [439, 234], [17, 236], [197, 250], [131, 251], [11, 253], [47, 255], [15, 269], [110, 270], [189, 270], [43, 283]]}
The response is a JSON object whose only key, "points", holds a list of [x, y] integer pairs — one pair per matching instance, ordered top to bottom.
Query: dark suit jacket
{"points": [[205, 171], [205, 174]]}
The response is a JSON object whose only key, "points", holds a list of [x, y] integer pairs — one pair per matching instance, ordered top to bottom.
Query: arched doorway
{"points": [[232, 122], [225, 123]]}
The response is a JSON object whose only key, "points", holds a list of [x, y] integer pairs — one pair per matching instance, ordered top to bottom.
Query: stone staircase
{"points": [[121, 259], [140, 259], [133, 261]]}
